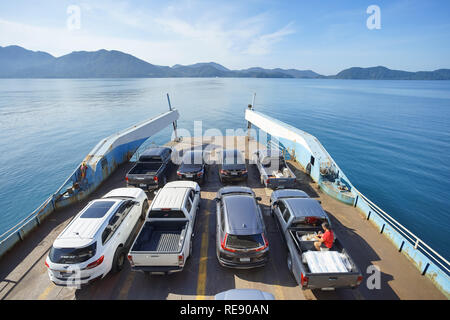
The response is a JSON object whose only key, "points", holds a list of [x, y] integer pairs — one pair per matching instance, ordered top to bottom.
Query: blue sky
{"points": [[324, 35]]}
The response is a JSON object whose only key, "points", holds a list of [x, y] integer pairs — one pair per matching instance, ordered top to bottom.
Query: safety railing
{"points": [[414, 240]]}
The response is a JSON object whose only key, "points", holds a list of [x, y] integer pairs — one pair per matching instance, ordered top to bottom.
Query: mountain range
{"points": [[18, 62]]}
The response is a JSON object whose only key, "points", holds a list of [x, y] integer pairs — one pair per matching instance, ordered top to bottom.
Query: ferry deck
{"points": [[23, 274]]}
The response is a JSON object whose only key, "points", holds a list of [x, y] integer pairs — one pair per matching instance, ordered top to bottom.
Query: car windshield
{"points": [[97, 209], [166, 214], [245, 241], [72, 255]]}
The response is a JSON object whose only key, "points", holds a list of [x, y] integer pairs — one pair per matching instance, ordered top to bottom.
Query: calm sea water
{"points": [[391, 138]]}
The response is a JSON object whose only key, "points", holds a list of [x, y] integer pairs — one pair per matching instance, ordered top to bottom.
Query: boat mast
{"points": [[175, 122]]}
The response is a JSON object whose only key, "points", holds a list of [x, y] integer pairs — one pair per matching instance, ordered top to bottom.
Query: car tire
{"points": [[190, 249], [119, 260], [289, 264]]}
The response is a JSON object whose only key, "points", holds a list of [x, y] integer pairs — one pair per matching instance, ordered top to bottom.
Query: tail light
{"points": [[244, 171], [223, 172], [178, 173], [199, 174], [126, 178], [155, 178], [267, 181], [223, 244], [266, 244], [130, 258], [181, 260], [95, 263], [46, 264], [304, 280], [359, 280]]}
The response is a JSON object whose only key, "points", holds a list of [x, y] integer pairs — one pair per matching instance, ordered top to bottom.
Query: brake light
{"points": [[244, 171], [223, 172], [178, 173], [199, 174], [126, 178], [155, 178], [267, 181], [223, 244], [266, 244], [130, 258], [181, 260], [95, 263], [46, 264], [304, 280], [359, 280]]}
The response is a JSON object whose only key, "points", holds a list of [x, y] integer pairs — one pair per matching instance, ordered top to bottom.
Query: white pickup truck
{"points": [[273, 170], [164, 242]]}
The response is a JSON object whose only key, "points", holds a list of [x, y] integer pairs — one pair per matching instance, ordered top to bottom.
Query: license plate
{"points": [[234, 173], [189, 176], [142, 185], [244, 259], [66, 274], [328, 289]]}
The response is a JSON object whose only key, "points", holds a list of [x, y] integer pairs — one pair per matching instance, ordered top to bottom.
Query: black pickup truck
{"points": [[151, 170]]}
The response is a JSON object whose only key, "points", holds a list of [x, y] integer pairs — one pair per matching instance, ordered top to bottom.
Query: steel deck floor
{"points": [[23, 274]]}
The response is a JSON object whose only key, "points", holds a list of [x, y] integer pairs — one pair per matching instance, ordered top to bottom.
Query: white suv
{"points": [[97, 239]]}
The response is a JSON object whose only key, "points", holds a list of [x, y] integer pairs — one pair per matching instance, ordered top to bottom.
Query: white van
{"points": [[97, 239]]}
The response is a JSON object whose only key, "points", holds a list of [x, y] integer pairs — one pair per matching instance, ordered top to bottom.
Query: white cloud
{"points": [[173, 38]]}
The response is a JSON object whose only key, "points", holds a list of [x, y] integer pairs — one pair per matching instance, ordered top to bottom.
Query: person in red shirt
{"points": [[324, 240]]}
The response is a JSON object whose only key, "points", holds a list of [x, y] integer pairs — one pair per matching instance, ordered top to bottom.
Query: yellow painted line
{"points": [[201, 281], [46, 292], [123, 293]]}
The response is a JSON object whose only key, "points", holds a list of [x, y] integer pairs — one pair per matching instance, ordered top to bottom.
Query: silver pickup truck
{"points": [[273, 170], [299, 218], [164, 242]]}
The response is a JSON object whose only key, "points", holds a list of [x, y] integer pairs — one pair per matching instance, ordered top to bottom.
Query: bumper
{"points": [[231, 178], [143, 186], [234, 261], [158, 269], [75, 280]]}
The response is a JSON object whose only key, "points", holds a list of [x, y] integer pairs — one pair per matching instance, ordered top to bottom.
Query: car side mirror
{"points": [[258, 198], [217, 199], [137, 203], [275, 204]]}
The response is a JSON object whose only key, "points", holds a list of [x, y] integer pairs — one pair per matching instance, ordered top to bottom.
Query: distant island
{"points": [[18, 62]]}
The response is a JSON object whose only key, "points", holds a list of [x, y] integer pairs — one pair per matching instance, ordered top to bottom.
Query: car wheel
{"points": [[144, 210], [190, 249], [119, 260], [289, 263]]}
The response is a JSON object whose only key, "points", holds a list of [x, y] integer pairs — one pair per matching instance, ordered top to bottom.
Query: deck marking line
{"points": [[201, 282], [46, 292], [123, 294]]}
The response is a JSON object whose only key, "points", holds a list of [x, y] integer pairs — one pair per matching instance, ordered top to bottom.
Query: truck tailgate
{"points": [[159, 243], [332, 280]]}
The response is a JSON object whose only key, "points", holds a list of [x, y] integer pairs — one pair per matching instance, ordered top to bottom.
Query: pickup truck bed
{"points": [[145, 168], [161, 236], [343, 271]]}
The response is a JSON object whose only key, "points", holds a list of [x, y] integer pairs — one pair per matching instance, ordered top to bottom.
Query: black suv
{"points": [[192, 166], [232, 166], [240, 232]]}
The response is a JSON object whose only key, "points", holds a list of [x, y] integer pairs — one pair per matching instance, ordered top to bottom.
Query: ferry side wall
{"points": [[101, 161], [403, 240]]}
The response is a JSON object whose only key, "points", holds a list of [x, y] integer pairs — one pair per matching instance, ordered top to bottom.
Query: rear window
{"points": [[150, 159], [97, 209], [166, 214], [308, 222], [245, 241], [72, 255]]}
